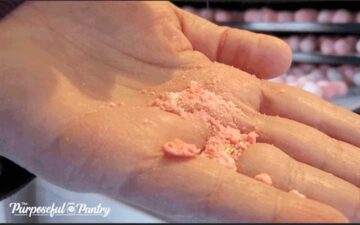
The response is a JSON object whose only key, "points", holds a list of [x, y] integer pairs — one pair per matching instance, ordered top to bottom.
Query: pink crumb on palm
{"points": [[226, 142], [179, 148], [264, 178], [296, 192]]}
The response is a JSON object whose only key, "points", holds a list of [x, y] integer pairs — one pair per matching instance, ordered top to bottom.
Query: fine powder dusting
{"points": [[226, 142]]}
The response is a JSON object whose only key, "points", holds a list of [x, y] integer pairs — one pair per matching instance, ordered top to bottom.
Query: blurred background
{"points": [[324, 37]]}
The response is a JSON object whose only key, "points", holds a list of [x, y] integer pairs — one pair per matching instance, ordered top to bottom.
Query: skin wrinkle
{"points": [[180, 21], [180, 25], [65, 38], [259, 42], [71, 43], [221, 43], [241, 49], [235, 60], [109, 64], [267, 93], [262, 97], [264, 101], [252, 104], [318, 123], [321, 123], [243, 126], [65, 127], [62, 133], [58, 140], [341, 151], [323, 164], [291, 165], [145, 166], [154, 166], [77, 172], [292, 172], [134, 175], [297, 175], [130, 176], [102, 181], [217, 188], [276, 208]]}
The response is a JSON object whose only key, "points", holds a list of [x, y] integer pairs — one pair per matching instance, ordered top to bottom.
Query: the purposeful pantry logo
{"points": [[64, 209]]}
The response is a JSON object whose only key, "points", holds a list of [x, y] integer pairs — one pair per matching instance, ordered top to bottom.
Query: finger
{"points": [[259, 54], [293, 103], [302, 142], [311, 146], [134, 170], [293, 175], [201, 190]]}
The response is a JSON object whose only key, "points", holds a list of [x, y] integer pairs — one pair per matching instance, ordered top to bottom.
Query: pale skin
{"points": [[71, 111]]}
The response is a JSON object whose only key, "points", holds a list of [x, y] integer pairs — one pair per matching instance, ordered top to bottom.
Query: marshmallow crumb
{"points": [[226, 142], [179, 148], [264, 178], [296, 192]]}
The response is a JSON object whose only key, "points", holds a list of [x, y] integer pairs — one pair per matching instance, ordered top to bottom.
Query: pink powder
{"points": [[226, 142], [179, 148], [264, 177], [296, 192]]}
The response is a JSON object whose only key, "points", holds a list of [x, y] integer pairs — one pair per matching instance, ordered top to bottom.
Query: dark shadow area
{"points": [[12, 178]]}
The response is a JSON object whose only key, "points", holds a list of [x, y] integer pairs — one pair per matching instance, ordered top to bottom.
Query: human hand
{"points": [[72, 113]]}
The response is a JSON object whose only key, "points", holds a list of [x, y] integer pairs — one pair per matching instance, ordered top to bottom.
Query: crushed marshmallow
{"points": [[226, 142], [179, 148], [264, 178]]}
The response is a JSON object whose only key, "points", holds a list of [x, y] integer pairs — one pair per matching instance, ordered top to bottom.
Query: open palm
{"points": [[72, 111]]}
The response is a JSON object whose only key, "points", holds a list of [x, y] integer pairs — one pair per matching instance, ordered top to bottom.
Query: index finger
{"points": [[263, 55], [296, 104]]}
